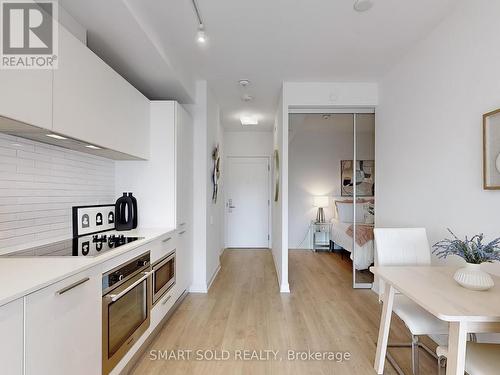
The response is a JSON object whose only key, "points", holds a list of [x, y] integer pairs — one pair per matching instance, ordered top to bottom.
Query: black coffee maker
{"points": [[126, 212]]}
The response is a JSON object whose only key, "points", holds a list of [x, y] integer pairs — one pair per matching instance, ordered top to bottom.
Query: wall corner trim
{"points": [[213, 277], [198, 288], [284, 288]]}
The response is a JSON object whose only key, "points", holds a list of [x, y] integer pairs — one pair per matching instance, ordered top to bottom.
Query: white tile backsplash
{"points": [[39, 184]]}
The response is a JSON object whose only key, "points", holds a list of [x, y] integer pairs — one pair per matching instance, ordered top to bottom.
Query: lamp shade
{"points": [[321, 201]]}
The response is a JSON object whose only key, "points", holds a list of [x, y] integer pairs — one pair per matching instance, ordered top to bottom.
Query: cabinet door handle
{"points": [[182, 224], [181, 233], [166, 239], [72, 286], [166, 300]]}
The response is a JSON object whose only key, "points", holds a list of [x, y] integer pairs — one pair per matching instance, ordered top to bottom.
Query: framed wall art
{"points": [[491, 150], [215, 173], [276, 175], [365, 178]]}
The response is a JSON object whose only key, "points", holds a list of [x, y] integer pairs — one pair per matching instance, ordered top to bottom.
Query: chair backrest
{"points": [[402, 246]]}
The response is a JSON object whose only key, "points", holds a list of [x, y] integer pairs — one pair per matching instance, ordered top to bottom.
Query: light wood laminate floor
{"points": [[244, 310]]}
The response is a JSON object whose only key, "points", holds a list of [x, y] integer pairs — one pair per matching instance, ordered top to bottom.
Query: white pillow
{"points": [[345, 212]]}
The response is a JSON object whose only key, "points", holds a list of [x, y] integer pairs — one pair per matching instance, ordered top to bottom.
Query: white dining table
{"points": [[434, 289]]}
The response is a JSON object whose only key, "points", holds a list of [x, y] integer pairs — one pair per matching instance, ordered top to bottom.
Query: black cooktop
{"points": [[84, 246]]}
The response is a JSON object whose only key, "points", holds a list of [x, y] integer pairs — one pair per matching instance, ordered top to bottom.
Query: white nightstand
{"points": [[320, 236]]}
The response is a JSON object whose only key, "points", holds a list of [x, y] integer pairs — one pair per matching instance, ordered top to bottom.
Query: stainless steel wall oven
{"points": [[126, 308]]}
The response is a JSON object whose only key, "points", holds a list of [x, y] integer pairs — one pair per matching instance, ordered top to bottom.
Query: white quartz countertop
{"points": [[22, 276]]}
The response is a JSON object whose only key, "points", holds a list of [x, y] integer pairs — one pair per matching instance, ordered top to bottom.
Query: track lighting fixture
{"points": [[201, 35]]}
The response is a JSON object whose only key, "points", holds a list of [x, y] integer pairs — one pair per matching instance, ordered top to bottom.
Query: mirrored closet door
{"points": [[363, 184], [332, 186]]}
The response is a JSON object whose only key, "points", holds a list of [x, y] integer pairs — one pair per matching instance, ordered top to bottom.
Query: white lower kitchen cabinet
{"points": [[162, 307], [63, 327], [11, 338]]}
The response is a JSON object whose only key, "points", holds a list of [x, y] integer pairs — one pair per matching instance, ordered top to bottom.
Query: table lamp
{"points": [[320, 202]]}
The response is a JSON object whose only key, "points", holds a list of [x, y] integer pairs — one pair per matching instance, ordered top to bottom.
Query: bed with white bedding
{"points": [[363, 250], [363, 254]]}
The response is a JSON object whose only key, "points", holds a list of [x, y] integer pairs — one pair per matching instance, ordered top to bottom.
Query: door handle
{"points": [[232, 206], [72, 286], [166, 300]]}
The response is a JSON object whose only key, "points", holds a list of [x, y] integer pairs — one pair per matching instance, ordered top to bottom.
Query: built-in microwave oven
{"points": [[163, 276]]}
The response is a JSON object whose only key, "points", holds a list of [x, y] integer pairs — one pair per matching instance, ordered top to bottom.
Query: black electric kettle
{"points": [[126, 212]]}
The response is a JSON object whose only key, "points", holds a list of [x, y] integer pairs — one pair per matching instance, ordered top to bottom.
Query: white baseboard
{"points": [[213, 277], [198, 288], [203, 288], [285, 288]]}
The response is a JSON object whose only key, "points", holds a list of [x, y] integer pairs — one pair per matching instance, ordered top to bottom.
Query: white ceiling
{"points": [[266, 41]]}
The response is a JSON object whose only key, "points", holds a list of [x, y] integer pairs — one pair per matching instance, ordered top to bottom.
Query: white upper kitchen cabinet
{"points": [[26, 96], [95, 104], [163, 184], [63, 327], [11, 338]]}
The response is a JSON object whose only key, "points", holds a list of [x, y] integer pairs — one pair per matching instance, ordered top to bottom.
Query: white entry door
{"points": [[247, 202]]}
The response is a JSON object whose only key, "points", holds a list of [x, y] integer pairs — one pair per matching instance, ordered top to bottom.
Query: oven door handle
{"points": [[116, 297]]}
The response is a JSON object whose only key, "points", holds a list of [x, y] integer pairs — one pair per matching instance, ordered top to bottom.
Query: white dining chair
{"points": [[408, 247], [480, 359]]}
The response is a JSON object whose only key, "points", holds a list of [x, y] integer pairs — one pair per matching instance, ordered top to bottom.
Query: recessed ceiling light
{"points": [[363, 5], [244, 82], [249, 120], [55, 136], [93, 147]]}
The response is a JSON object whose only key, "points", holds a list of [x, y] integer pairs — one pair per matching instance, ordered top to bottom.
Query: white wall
{"points": [[330, 94], [199, 113], [429, 135], [248, 143], [317, 146], [40, 183], [279, 209], [215, 211], [208, 221]]}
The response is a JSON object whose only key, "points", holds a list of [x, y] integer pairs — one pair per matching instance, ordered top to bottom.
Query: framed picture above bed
{"points": [[365, 178]]}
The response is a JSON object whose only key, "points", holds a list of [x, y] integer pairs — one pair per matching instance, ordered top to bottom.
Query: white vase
{"points": [[472, 277]]}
